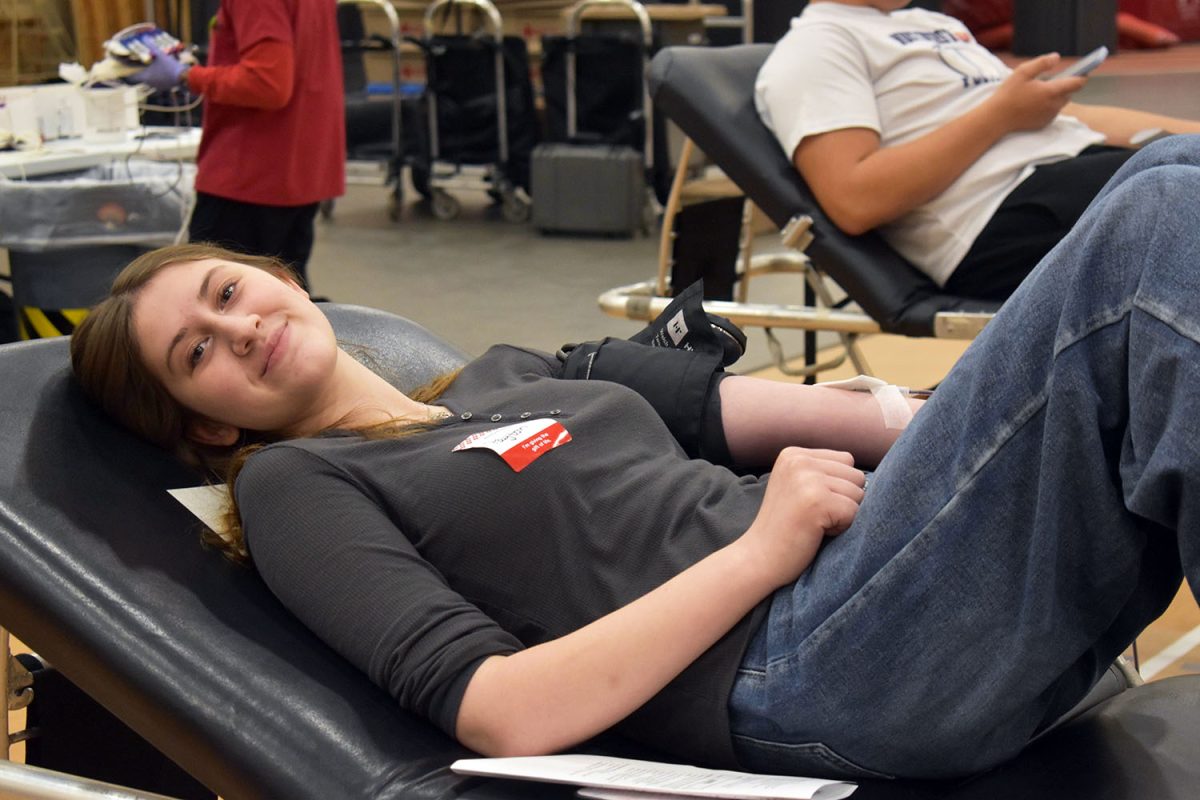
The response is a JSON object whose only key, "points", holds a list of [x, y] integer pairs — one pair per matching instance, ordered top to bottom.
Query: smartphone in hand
{"points": [[1084, 65]]}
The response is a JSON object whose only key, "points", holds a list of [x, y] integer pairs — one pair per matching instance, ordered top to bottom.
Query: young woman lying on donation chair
{"points": [[1038, 512]]}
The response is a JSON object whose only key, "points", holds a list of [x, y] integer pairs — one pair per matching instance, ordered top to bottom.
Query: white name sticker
{"points": [[521, 444]]}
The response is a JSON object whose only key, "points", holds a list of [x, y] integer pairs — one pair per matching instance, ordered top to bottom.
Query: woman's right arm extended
{"points": [[862, 185], [557, 694]]}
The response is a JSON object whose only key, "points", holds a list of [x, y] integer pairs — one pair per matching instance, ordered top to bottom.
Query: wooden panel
{"points": [[96, 20], [33, 41]]}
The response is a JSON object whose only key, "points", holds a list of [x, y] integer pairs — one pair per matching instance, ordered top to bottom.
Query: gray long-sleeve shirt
{"points": [[416, 560]]}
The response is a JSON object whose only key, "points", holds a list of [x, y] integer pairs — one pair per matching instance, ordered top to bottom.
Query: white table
{"points": [[68, 155]]}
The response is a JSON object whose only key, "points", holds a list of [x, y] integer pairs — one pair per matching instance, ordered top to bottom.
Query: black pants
{"points": [[1032, 219], [282, 231]]}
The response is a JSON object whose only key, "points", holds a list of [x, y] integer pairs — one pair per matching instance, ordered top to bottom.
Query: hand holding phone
{"points": [[1084, 65]]}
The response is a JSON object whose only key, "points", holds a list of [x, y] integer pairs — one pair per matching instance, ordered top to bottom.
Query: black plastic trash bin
{"points": [[69, 235], [54, 288]]}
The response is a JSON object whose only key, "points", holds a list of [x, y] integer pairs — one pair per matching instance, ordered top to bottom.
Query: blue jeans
{"points": [[1038, 513]]}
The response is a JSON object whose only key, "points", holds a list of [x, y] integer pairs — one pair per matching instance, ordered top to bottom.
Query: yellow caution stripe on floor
{"points": [[42, 323]]}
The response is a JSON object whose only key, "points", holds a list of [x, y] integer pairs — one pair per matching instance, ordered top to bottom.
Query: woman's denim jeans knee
{"points": [[1034, 518]]}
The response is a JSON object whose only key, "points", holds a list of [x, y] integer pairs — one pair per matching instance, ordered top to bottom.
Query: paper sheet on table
{"points": [[203, 501], [634, 778]]}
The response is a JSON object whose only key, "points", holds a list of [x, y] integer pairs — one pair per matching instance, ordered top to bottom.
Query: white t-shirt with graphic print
{"points": [[903, 75]]}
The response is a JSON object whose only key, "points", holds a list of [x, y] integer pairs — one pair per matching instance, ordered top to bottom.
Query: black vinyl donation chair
{"points": [[709, 93], [102, 574]]}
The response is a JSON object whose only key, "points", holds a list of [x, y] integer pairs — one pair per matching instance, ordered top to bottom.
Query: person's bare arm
{"points": [[1120, 124], [862, 185], [761, 417], [560, 693]]}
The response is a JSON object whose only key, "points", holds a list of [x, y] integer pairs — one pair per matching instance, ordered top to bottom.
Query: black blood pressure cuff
{"points": [[685, 325], [675, 363]]}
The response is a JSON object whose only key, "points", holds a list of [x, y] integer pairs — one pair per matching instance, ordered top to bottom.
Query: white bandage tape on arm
{"points": [[892, 400]]}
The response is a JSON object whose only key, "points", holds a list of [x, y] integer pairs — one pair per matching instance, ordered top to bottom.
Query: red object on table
{"points": [[1178, 17]]}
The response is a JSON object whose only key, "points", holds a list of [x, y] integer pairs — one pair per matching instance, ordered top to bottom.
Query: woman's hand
{"points": [[1025, 102], [810, 494], [561, 692]]}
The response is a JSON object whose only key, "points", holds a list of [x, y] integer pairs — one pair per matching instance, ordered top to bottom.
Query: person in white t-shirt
{"points": [[899, 121]]}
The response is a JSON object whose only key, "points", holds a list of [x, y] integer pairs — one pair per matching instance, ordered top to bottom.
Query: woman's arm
{"points": [[1120, 124], [862, 185], [761, 417], [557, 694]]}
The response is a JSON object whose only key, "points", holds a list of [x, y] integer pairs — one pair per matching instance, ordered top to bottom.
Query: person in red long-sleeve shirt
{"points": [[274, 141]]}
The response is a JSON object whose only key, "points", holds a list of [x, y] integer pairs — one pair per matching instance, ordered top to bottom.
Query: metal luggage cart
{"points": [[574, 25], [613, 110], [371, 159], [490, 168]]}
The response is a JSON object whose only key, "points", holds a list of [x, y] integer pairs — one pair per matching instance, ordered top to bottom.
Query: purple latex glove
{"points": [[164, 72]]}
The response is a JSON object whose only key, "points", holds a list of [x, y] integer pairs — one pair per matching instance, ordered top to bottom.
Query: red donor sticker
{"points": [[521, 444]]}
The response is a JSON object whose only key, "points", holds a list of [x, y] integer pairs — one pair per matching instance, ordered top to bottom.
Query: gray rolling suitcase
{"points": [[580, 188], [593, 188]]}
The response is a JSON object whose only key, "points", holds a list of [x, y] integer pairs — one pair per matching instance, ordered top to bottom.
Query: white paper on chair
{"points": [[204, 501], [623, 778], [596, 793]]}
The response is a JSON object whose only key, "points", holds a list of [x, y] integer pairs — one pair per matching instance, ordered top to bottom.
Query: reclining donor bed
{"points": [[854, 285], [103, 575]]}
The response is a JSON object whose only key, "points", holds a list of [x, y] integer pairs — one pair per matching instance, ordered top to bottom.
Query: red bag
{"points": [[980, 15], [1181, 17], [1140, 23]]}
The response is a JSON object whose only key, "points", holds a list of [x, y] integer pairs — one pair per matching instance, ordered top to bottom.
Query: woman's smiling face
{"points": [[240, 347]]}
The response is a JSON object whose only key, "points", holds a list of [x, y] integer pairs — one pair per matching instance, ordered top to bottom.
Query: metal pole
{"points": [[389, 11], [574, 27], [16, 60], [5, 655], [35, 783]]}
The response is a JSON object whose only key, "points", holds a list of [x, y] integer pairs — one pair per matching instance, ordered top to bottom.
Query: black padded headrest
{"points": [[709, 93], [413, 356]]}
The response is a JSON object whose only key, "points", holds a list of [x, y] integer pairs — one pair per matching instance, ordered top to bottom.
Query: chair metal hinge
{"points": [[797, 234], [20, 685]]}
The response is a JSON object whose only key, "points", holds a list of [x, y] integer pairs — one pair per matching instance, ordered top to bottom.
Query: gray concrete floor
{"points": [[1174, 93], [475, 280], [479, 280]]}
